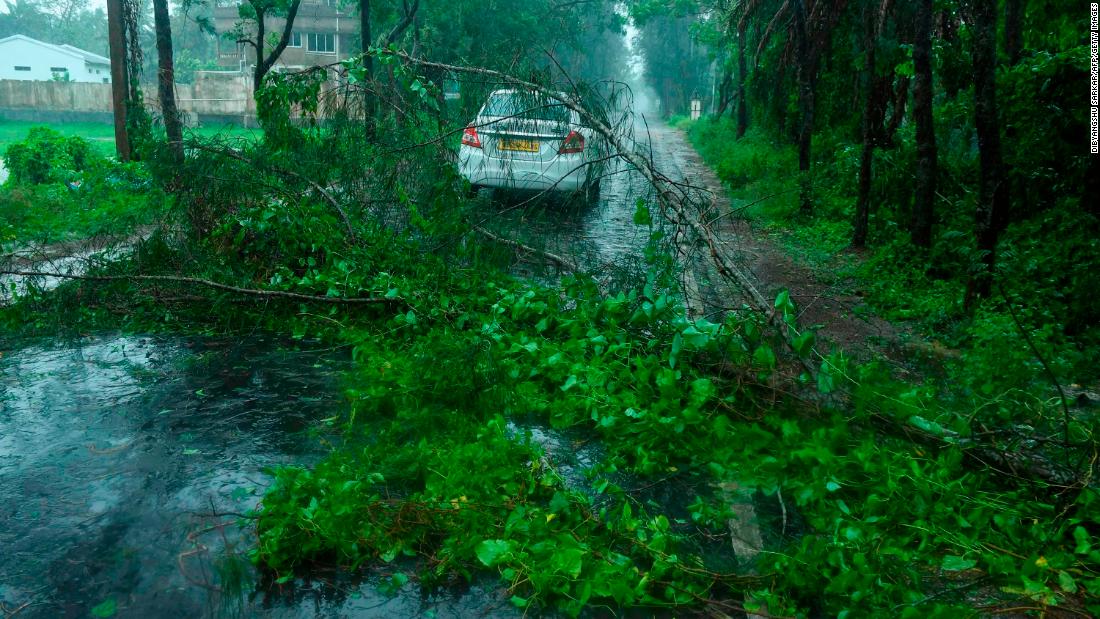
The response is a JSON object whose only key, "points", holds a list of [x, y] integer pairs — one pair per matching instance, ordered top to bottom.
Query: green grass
{"points": [[102, 135]]}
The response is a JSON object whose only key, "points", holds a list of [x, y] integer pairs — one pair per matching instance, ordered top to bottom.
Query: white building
{"points": [[24, 58]]}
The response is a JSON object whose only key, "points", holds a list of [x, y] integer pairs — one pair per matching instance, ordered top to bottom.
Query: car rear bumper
{"points": [[563, 173]]}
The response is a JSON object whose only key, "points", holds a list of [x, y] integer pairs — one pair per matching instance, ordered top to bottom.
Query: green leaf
{"points": [[641, 214], [782, 299], [804, 343], [677, 345], [764, 356], [926, 425], [1081, 536], [491, 551], [569, 561], [951, 563], [1066, 582], [519, 602], [106, 608]]}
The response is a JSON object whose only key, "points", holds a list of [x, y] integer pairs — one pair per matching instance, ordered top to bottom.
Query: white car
{"points": [[526, 141]]}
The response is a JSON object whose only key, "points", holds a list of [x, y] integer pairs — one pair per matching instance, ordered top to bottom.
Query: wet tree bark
{"points": [[117, 39], [807, 76], [166, 81], [724, 94], [901, 97], [742, 100], [925, 190], [863, 201], [992, 210]]}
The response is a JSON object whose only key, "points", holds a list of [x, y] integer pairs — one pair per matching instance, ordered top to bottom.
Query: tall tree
{"points": [[258, 11], [806, 73], [119, 76], [166, 81], [742, 99], [872, 118], [925, 191], [992, 209]]}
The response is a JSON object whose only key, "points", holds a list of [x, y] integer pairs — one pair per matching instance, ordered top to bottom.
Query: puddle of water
{"points": [[124, 462]]}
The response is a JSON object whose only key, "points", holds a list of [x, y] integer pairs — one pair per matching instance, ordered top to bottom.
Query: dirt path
{"points": [[830, 304]]}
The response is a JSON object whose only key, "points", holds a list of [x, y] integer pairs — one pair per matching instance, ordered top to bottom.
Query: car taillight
{"points": [[469, 137], [574, 143]]}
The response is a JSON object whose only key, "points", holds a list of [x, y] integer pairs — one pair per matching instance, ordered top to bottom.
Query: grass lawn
{"points": [[101, 135]]}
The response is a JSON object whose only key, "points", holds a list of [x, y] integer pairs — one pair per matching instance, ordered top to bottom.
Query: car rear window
{"points": [[529, 106]]}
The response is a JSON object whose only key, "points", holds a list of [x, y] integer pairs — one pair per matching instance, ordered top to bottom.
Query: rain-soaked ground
{"points": [[125, 462]]}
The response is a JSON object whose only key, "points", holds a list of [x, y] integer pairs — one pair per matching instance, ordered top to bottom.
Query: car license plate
{"points": [[523, 146]]}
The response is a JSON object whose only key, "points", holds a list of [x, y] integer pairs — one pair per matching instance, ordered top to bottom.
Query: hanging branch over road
{"points": [[672, 196]]}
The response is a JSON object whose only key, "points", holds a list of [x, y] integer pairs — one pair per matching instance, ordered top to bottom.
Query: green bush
{"points": [[46, 156]]}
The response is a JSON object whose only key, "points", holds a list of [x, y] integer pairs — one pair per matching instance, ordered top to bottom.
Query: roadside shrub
{"points": [[46, 156]]}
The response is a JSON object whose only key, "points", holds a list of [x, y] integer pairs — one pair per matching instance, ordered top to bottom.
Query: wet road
{"points": [[603, 238], [114, 452]]}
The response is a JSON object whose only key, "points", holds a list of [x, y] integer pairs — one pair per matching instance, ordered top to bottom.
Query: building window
{"points": [[295, 39], [321, 43], [18, 68], [59, 69], [106, 80]]}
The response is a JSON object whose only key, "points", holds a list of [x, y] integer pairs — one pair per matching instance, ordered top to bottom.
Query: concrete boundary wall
{"points": [[213, 98]]}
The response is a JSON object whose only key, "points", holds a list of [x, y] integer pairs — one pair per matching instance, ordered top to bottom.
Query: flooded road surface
{"points": [[603, 238], [114, 450], [125, 461]]}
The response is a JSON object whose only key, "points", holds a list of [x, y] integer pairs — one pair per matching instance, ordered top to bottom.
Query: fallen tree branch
{"points": [[317, 186], [559, 260], [282, 294]]}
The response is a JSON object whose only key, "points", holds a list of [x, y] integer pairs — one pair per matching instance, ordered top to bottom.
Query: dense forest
{"points": [[826, 349]]}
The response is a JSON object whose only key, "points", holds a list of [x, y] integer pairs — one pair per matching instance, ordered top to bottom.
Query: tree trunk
{"points": [[1013, 31], [264, 62], [807, 76], [119, 77], [166, 80], [724, 94], [901, 96], [742, 100], [925, 191], [863, 201], [990, 215]]}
